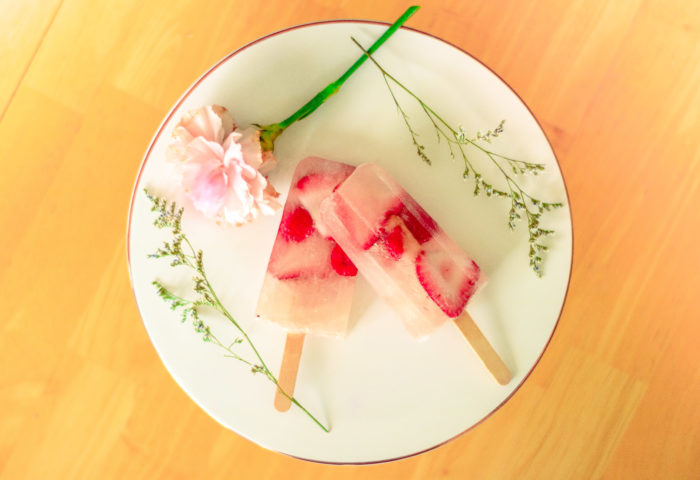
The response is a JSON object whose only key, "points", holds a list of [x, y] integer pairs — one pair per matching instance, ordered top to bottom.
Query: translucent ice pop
{"points": [[408, 259], [309, 282]]}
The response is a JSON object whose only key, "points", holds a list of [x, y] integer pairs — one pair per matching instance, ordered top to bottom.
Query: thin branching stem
{"points": [[457, 139], [170, 217]]}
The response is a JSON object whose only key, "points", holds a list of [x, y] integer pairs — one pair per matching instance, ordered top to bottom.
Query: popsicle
{"points": [[407, 258], [308, 285]]}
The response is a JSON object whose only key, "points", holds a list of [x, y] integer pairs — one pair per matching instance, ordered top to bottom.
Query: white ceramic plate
{"points": [[384, 395]]}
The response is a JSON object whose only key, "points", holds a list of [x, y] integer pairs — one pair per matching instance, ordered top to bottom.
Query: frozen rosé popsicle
{"points": [[407, 258], [309, 282]]}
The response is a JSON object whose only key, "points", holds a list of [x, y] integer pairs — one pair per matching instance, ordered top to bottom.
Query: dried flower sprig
{"points": [[521, 202], [181, 253]]}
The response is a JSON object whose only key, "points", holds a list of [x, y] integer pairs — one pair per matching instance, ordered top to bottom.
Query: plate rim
{"points": [[235, 52]]}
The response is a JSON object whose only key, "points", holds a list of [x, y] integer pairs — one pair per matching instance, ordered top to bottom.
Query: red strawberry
{"points": [[326, 176], [311, 181], [313, 188], [363, 206], [418, 222], [297, 225], [358, 230], [369, 241], [392, 241], [308, 258], [341, 263], [292, 275], [448, 282]]}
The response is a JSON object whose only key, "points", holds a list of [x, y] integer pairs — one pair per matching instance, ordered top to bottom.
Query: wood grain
{"points": [[85, 84], [483, 348], [287, 376]]}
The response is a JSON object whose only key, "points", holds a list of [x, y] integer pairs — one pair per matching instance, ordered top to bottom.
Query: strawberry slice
{"points": [[319, 174], [310, 182], [326, 182], [313, 188], [363, 214], [418, 221], [297, 225], [361, 232], [391, 236], [308, 258], [341, 263], [448, 280]]}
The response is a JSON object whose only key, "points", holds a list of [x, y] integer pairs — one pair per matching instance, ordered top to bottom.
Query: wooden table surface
{"points": [[83, 87]]}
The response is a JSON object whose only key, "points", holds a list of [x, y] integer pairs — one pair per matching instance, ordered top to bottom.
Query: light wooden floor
{"points": [[83, 86]]}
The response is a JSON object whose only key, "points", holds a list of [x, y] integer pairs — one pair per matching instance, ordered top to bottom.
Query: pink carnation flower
{"points": [[222, 167]]}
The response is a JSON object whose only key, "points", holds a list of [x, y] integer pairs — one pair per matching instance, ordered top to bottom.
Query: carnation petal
{"points": [[226, 119], [212, 123], [250, 146], [201, 151], [233, 153], [269, 162], [222, 168], [207, 190]]}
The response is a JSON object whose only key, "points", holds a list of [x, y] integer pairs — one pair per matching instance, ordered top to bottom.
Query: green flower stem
{"points": [[269, 133], [219, 306], [231, 353], [266, 371]]}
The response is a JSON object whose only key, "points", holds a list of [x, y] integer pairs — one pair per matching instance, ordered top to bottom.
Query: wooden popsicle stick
{"points": [[483, 348], [287, 378]]}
